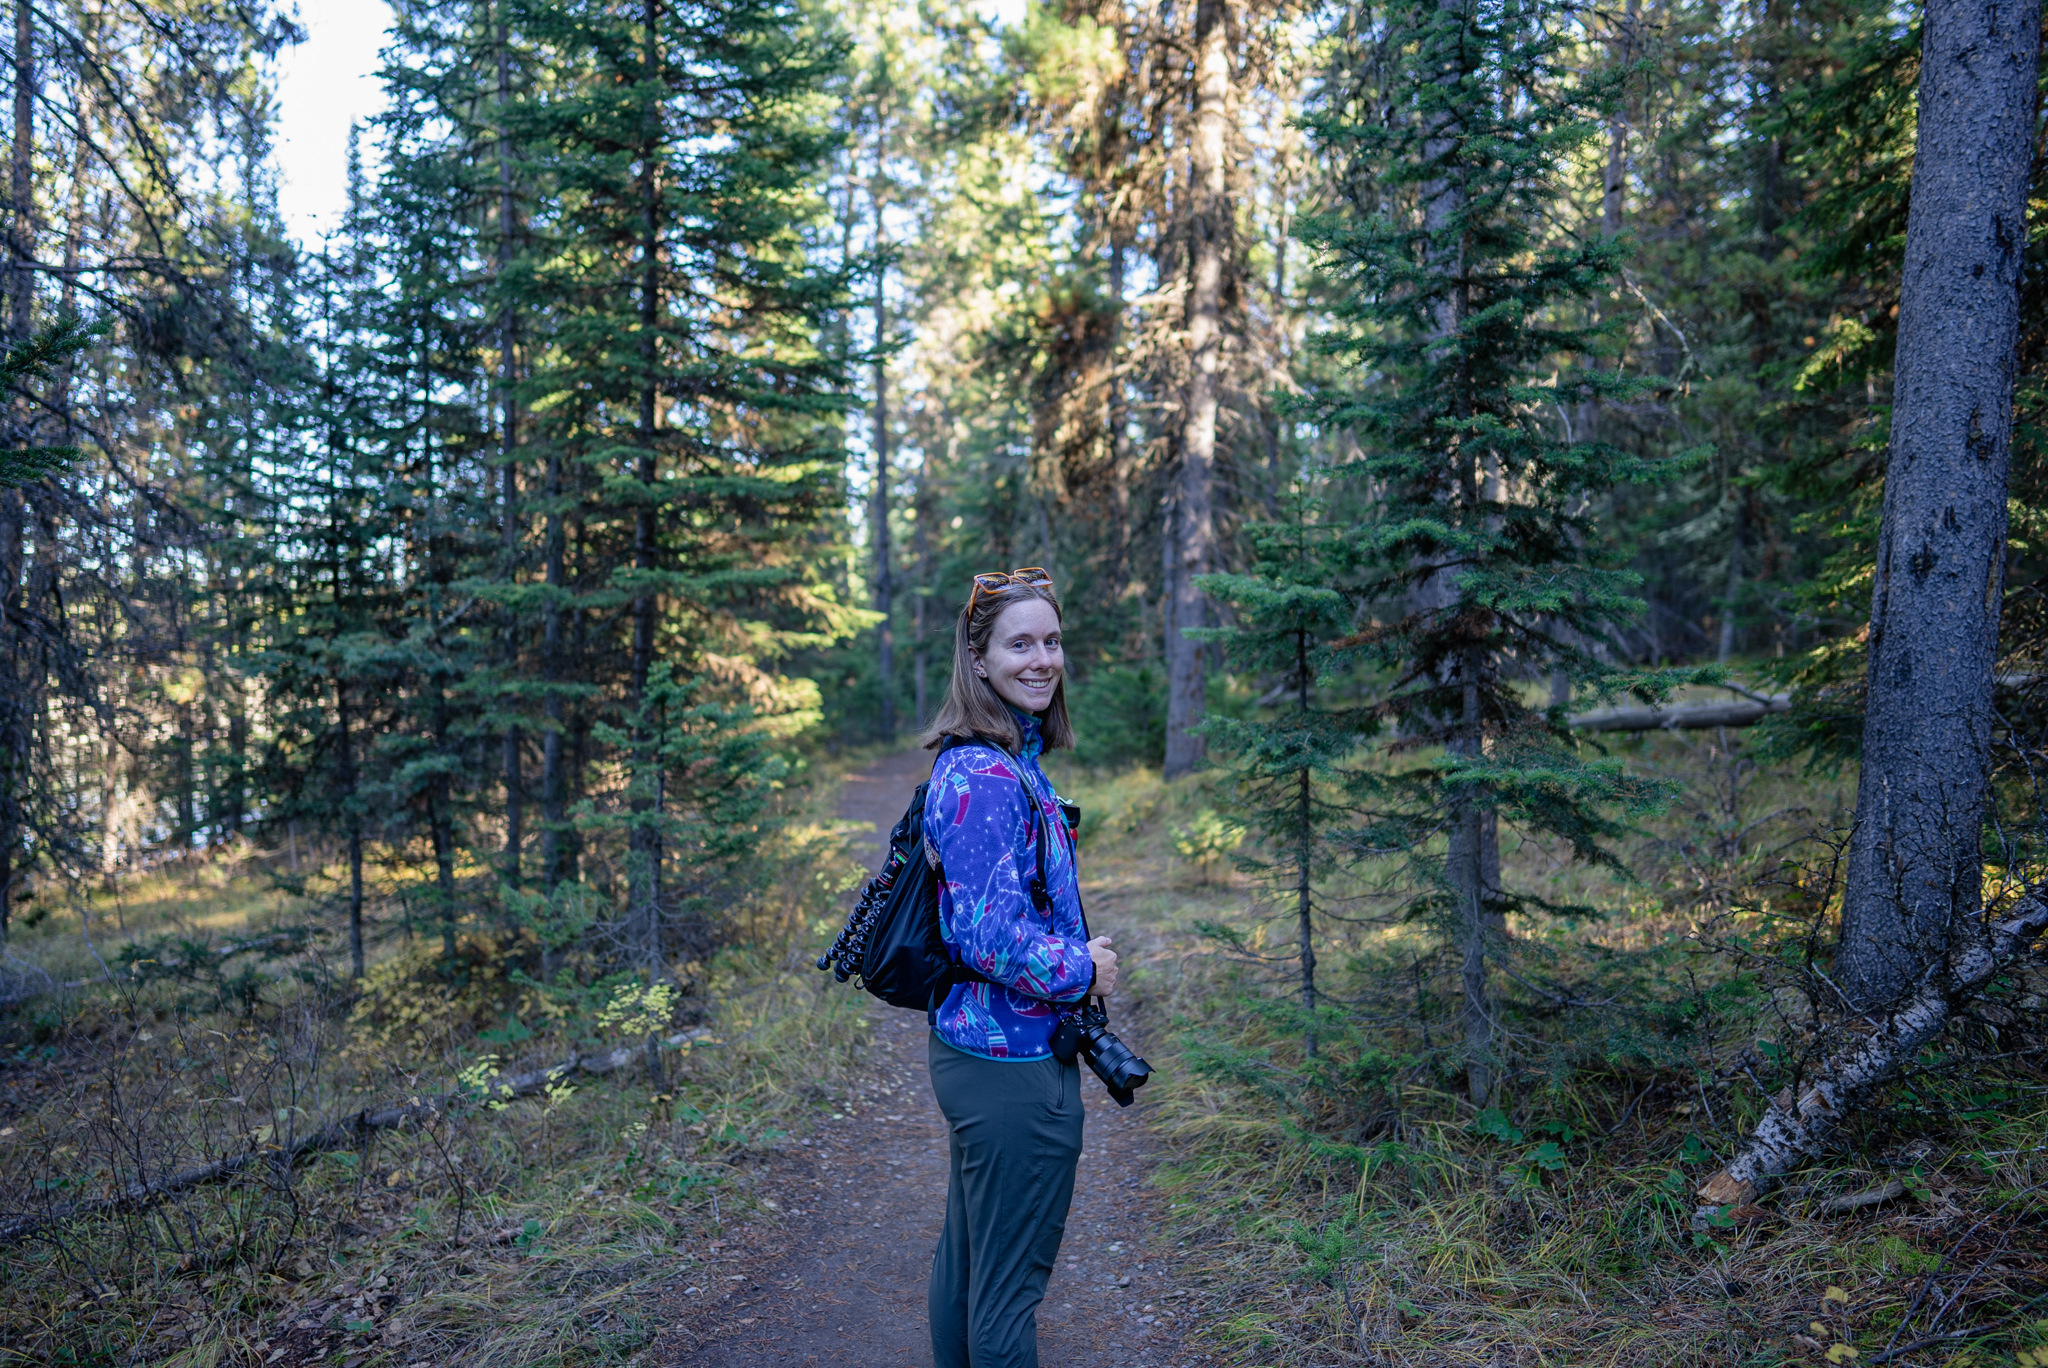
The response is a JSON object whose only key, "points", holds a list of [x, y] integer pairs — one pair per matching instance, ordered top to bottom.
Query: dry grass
{"points": [[1356, 1212], [1362, 1212], [518, 1234]]}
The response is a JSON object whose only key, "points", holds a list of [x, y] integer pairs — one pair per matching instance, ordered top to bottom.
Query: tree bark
{"points": [[21, 223], [21, 232], [1117, 415], [508, 474], [1194, 514], [878, 515], [879, 545], [1734, 586], [920, 606], [1741, 712], [553, 804], [442, 822], [355, 830], [1304, 854], [1915, 856], [1472, 859], [1472, 865], [644, 867]]}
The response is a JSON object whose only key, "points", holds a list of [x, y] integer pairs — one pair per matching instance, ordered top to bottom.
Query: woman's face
{"points": [[1024, 662]]}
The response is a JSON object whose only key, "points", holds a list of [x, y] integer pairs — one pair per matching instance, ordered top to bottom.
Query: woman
{"points": [[1013, 1109]]}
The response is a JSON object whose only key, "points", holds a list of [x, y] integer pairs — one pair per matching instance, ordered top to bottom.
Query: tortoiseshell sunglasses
{"points": [[996, 582]]}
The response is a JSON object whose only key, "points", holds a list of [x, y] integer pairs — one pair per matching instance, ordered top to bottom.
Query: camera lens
{"points": [[1120, 1070]]}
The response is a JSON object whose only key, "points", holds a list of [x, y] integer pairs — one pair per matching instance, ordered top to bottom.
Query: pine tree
{"points": [[682, 374], [574, 439], [1474, 549], [1285, 618], [1916, 856]]}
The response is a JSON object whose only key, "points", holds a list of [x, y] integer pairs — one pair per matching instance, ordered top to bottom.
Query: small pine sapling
{"points": [[1284, 611]]}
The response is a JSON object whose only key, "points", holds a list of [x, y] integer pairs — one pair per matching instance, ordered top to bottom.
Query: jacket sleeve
{"points": [[977, 821]]}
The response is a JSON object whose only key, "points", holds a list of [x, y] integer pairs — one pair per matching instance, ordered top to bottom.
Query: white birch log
{"points": [[1793, 1131]]}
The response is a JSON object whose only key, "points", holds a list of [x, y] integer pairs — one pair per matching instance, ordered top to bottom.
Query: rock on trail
{"points": [[839, 1279]]}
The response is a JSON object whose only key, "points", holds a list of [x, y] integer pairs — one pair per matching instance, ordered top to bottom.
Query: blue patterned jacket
{"points": [[976, 821]]}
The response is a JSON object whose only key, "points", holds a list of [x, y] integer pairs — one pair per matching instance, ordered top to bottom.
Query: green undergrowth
{"points": [[1354, 1207], [531, 1231]]}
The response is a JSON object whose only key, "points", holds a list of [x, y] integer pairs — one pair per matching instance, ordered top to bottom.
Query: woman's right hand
{"points": [[1105, 967]]}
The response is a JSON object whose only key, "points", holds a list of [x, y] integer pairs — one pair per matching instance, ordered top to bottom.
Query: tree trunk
{"points": [[1614, 185], [21, 223], [21, 234], [1117, 415], [508, 474], [878, 514], [1194, 523], [1734, 586], [920, 606], [1741, 712], [553, 805], [236, 806], [442, 823], [355, 832], [1915, 855], [1304, 856], [1472, 861], [1472, 865], [644, 866]]}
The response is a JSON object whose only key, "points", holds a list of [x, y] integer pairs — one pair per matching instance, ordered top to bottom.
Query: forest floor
{"points": [[774, 1197], [840, 1279]]}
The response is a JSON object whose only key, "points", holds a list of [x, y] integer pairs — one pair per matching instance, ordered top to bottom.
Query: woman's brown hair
{"points": [[972, 707]]}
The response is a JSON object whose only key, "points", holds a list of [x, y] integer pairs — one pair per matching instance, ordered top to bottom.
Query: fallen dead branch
{"points": [[1746, 711], [1738, 712], [1793, 1130], [349, 1131], [1870, 1196]]}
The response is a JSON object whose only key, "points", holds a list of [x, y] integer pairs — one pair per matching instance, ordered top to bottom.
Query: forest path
{"points": [[840, 1279]]}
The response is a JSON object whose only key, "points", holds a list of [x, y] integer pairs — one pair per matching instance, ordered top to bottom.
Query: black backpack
{"points": [[892, 942]]}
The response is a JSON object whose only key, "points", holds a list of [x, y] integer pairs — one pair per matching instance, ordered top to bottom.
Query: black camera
{"points": [[1086, 1033]]}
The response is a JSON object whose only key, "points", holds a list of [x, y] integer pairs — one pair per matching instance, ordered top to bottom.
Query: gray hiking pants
{"points": [[1016, 1138]]}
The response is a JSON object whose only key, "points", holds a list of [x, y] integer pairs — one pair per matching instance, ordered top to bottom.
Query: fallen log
{"points": [[1745, 711], [1739, 712], [1793, 1130], [348, 1132]]}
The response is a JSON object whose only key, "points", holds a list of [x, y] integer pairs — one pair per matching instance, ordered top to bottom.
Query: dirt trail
{"points": [[840, 1279]]}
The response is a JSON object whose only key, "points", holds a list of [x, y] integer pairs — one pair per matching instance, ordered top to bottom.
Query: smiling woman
{"points": [[1010, 912]]}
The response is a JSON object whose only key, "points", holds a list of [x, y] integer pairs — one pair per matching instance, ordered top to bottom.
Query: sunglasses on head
{"points": [[996, 582]]}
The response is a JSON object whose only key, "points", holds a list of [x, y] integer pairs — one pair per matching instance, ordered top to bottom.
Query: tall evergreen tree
{"points": [[137, 195], [682, 374], [576, 441], [1474, 548]]}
